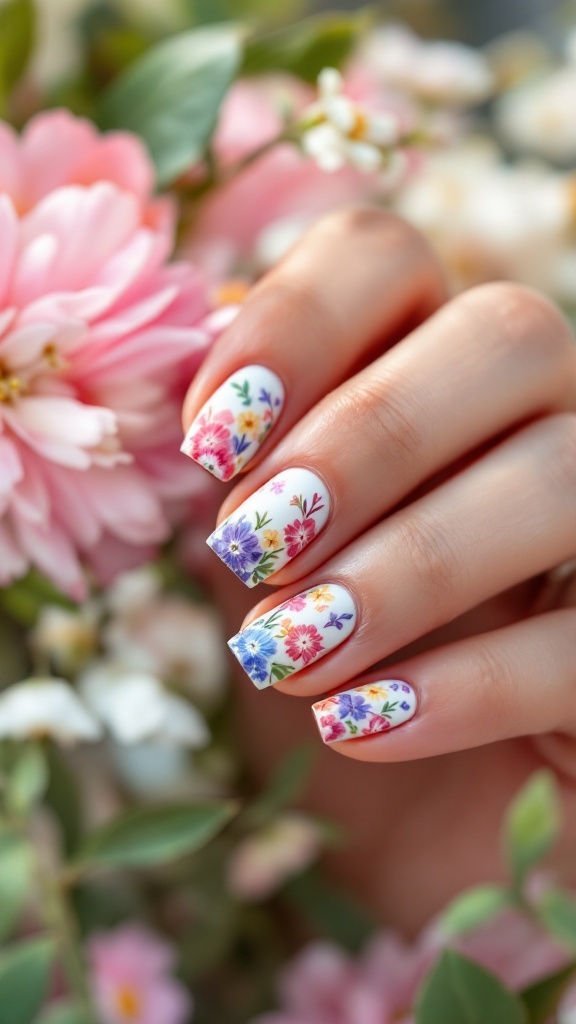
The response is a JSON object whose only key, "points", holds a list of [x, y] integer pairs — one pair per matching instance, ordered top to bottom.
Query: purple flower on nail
{"points": [[238, 546], [337, 620], [353, 705]]}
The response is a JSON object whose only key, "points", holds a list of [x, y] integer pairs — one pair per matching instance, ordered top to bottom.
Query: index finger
{"points": [[356, 282]]}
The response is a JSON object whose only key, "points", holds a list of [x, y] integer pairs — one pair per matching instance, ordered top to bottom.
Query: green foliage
{"points": [[210, 11], [17, 30], [306, 47], [171, 96], [24, 599], [27, 781], [285, 786], [63, 799], [532, 824], [153, 836], [15, 872], [474, 907], [329, 911], [557, 911], [24, 973], [458, 991], [542, 999], [64, 1013]]}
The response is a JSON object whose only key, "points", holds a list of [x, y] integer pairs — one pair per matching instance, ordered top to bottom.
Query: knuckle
{"points": [[372, 222], [517, 317], [385, 419], [434, 560], [497, 678]]}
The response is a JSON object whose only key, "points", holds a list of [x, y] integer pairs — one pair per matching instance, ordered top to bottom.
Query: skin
{"points": [[445, 430]]}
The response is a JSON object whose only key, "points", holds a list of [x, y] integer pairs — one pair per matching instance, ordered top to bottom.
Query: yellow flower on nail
{"points": [[249, 422], [271, 539], [321, 596], [285, 627], [375, 692]]}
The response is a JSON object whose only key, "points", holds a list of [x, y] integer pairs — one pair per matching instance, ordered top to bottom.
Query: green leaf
{"points": [[17, 24], [306, 47], [171, 96], [24, 599], [280, 672], [27, 781], [286, 785], [63, 798], [532, 824], [153, 835], [15, 876], [474, 907], [557, 911], [332, 913], [24, 973], [458, 991], [541, 1000], [64, 1013]]}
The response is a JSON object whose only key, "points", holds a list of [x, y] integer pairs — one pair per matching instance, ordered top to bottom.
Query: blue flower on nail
{"points": [[238, 546], [337, 620], [254, 648], [353, 705]]}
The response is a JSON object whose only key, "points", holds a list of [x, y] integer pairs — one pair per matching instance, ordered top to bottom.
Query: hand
{"points": [[444, 466]]}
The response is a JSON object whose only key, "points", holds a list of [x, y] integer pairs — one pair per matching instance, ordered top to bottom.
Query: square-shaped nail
{"points": [[234, 422], [273, 525], [296, 633], [365, 710]]}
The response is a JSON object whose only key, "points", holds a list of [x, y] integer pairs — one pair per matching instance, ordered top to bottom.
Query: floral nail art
{"points": [[232, 425], [273, 526], [295, 634], [365, 710]]}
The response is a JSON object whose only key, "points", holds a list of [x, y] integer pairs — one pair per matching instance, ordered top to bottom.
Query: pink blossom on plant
{"points": [[99, 335], [130, 970]]}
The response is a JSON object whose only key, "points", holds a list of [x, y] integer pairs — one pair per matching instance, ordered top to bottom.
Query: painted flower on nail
{"points": [[249, 423], [277, 486], [298, 535], [271, 539], [238, 547], [320, 597], [296, 603], [336, 620], [303, 642], [254, 648], [353, 704], [332, 729]]}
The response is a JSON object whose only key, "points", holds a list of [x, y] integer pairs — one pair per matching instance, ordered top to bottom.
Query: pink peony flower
{"points": [[99, 335], [303, 642], [336, 727], [130, 971]]}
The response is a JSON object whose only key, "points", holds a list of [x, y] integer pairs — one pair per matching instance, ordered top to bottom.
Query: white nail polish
{"points": [[234, 422], [273, 525], [295, 634], [365, 710]]}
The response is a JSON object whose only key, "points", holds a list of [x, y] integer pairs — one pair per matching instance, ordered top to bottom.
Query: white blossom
{"points": [[540, 117], [339, 132], [67, 637], [45, 706], [135, 707]]}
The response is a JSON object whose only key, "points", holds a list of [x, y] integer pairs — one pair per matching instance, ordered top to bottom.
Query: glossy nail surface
{"points": [[235, 421], [272, 526], [297, 633], [365, 710]]}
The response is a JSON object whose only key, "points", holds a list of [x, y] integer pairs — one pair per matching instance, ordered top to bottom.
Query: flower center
{"points": [[234, 547], [128, 1003]]}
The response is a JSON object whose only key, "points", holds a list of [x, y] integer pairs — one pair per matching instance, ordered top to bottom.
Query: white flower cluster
{"points": [[121, 655]]}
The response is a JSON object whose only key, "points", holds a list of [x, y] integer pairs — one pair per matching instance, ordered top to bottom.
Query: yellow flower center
{"points": [[358, 130], [231, 292], [11, 387], [128, 1003]]}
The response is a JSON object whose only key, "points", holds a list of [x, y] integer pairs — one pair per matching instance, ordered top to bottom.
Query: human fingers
{"points": [[357, 279], [491, 359], [507, 517], [515, 681]]}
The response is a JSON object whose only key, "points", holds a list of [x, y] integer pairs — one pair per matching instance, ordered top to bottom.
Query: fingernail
{"points": [[232, 425], [274, 525], [295, 634], [365, 710]]}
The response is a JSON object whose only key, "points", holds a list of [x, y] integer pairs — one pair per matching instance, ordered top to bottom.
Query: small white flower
{"points": [[540, 117], [339, 132], [68, 638], [45, 707], [136, 708], [262, 862]]}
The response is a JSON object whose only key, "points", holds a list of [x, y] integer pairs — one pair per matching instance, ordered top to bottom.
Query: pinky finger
{"points": [[516, 681]]}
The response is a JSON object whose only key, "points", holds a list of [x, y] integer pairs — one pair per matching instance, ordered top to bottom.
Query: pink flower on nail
{"points": [[210, 445], [277, 486], [298, 535], [296, 603], [303, 642], [376, 723], [332, 728]]}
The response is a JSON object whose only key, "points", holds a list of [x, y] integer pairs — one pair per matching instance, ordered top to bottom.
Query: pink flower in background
{"points": [[99, 335], [130, 970]]}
